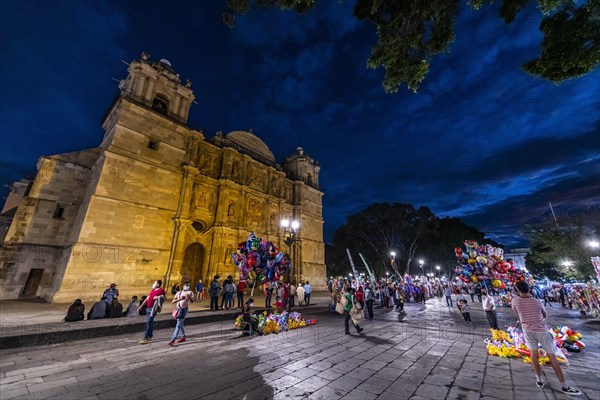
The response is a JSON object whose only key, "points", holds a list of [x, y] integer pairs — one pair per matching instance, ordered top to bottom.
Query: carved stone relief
{"points": [[254, 212]]}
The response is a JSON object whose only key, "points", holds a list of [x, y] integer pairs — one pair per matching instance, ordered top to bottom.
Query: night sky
{"points": [[481, 140]]}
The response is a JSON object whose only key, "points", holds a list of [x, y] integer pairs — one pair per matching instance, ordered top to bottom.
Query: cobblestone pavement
{"points": [[427, 353]]}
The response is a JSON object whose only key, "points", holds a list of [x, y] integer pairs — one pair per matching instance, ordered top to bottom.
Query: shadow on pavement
{"points": [[375, 340]]}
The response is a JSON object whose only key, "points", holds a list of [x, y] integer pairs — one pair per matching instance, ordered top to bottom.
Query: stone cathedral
{"points": [[156, 200]]}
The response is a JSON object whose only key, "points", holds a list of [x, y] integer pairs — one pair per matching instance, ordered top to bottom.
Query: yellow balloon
{"points": [[472, 261], [474, 279]]}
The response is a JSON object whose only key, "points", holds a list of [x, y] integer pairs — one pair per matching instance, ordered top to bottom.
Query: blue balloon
{"points": [[278, 258]]}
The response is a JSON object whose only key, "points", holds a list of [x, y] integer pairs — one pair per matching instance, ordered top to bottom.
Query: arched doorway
{"points": [[193, 260]]}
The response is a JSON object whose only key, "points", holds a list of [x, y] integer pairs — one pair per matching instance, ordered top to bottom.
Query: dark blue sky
{"points": [[481, 140]]}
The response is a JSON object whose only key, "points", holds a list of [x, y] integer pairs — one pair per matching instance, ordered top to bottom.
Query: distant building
{"points": [[18, 190], [155, 200], [518, 256]]}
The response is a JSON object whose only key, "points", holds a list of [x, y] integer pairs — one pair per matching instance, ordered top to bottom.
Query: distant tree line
{"points": [[411, 233], [560, 249]]}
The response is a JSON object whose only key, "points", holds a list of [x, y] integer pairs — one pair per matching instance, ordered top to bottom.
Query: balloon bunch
{"points": [[259, 260], [486, 264], [275, 323], [568, 339], [512, 344]]}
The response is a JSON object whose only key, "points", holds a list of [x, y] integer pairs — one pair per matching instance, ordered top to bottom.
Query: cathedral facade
{"points": [[157, 200]]}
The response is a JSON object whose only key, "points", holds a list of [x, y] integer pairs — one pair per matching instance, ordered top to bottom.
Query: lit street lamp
{"points": [[289, 238], [593, 244], [393, 262], [567, 263]]}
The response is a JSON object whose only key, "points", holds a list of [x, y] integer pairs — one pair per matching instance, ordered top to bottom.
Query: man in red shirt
{"points": [[241, 286], [153, 299], [532, 315]]}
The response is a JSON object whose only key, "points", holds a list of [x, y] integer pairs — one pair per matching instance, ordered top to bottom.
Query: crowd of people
{"points": [[276, 293], [386, 293], [107, 307]]}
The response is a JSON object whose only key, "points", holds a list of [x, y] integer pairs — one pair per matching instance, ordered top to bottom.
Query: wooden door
{"points": [[33, 282]]}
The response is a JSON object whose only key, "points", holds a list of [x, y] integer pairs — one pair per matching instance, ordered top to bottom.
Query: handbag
{"points": [[344, 300], [339, 308], [175, 313], [356, 314]]}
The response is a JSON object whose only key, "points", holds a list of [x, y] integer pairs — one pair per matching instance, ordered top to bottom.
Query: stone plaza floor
{"points": [[426, 353]]}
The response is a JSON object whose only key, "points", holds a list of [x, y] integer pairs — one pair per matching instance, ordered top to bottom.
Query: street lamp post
{"points": [[289, 238], [421, 263], [438, 270]]}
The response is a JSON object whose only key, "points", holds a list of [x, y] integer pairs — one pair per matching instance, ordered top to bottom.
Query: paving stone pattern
{"points": [[427, 353]]}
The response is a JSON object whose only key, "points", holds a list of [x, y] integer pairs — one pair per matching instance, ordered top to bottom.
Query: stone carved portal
{"points": [[193, 260]]}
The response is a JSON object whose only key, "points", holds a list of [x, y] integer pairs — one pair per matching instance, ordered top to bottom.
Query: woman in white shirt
{"points": [[183, 298]]}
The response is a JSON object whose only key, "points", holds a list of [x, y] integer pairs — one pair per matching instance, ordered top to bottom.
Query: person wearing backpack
{"points": [[229, 289], [214, 291], [224, 294]]}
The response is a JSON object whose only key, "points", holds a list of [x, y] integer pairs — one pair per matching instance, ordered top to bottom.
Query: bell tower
{"points": [[156, 85], [301, 167]]}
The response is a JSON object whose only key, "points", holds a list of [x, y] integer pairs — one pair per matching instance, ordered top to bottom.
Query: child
{"points": [[399, 299], [279, 305], [465, 310]]}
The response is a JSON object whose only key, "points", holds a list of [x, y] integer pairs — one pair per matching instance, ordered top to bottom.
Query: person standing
{"points": [[241, 286], [228, 289], [199, 291], [213, 292], [300, 292], [307, 292], [111, 293], [472, 293], [478, 293], [224, 294], [448, 294], [268, 295], [286, 295], [292, 295], [562, 295], [360, 297], [183, 298], [399, 298], [459, 298], [369, 299], [546, 299], [350, 302], [152, 303], [489, 306], [465, 310], [532, 315]]}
